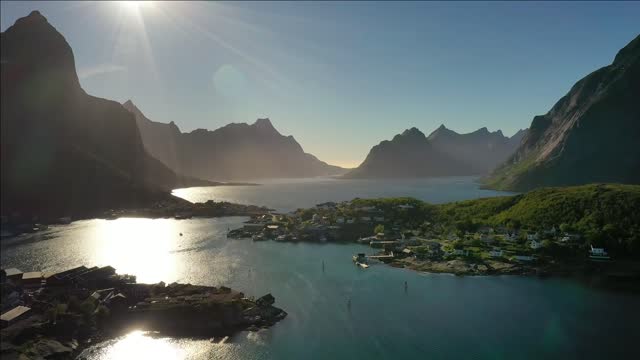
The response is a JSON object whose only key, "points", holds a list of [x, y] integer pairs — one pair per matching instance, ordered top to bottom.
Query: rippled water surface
{"points": [[438, 317]]}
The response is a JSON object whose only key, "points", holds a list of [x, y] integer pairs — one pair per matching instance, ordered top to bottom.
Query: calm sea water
{"points": [[290, 194], [438, 317]]}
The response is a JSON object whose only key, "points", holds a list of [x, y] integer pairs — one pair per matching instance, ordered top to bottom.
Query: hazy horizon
{"points": [[324, 72]]}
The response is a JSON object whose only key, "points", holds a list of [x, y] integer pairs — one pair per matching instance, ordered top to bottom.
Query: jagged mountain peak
{"points": [[34, 16], [48, 55], [263, 123], [414, 131]]}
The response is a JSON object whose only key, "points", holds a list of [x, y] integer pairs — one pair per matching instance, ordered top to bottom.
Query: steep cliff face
{"points": [[589, 135], [160, 140], [62, 150], [233, 152], [443, 153]]}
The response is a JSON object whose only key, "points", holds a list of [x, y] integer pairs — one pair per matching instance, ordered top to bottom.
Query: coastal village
{"points": [[401, 235], [56, 314]]}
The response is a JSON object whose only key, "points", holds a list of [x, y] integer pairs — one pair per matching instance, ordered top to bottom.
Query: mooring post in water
{"points": [[406, 286]]}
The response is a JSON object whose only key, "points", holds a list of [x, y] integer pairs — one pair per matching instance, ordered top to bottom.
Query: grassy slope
{"points": [[607, 214]]}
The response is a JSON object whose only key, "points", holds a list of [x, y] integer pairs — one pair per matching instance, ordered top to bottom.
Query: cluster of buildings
{"points": [[24, 292]]}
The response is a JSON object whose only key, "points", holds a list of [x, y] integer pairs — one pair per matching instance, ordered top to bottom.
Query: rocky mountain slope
{"points": [[590, 135], [64, 151], [233, 152]]}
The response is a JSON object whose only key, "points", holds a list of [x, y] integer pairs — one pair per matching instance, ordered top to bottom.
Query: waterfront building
{"points": [[13, 315]]}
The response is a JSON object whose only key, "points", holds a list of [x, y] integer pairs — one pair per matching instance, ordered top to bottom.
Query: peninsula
{"points": [[574, 230]]}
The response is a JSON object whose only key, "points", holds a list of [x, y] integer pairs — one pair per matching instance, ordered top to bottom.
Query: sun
{"points": [[134, 5]]}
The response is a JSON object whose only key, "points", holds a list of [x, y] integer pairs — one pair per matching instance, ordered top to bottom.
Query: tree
{"points": [[566, 228], [379, 229]]}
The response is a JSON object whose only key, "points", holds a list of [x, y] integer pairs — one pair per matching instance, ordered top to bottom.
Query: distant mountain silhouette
{"points": [[590, 135], [62, 150], [481, 150], [232, 152], [443, 153]]}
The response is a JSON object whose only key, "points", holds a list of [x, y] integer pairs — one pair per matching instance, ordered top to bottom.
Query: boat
{"points": [[258, 237], [359, 258], [362, 265]]}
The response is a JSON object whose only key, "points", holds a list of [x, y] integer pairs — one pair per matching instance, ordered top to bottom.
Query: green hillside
{"points": [[605, 214]]}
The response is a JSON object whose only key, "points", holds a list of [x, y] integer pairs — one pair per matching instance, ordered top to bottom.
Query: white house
{"points": [[511, 236], [531, 237], [535, 244], [495, 253], [598, 253]]}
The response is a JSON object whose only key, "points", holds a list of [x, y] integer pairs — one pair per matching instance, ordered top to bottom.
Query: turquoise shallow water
{"points": [[439, 317]]}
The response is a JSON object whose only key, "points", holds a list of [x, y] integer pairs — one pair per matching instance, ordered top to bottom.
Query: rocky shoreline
{"points": [[622, 276], [60, 314]]}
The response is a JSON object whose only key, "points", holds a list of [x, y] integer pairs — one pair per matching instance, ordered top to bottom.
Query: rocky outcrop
{"points": [[590, 135], [233, 152]]}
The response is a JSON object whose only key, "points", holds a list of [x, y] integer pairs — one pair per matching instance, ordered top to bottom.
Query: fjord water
{"points": [[290, 194], [438, 317]]}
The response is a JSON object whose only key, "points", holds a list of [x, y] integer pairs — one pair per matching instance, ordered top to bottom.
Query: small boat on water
{"points": [[258, 237], [360, 257], [360, 260]]}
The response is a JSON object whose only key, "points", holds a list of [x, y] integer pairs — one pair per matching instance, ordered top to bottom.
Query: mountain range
{"points": [[592, 134], [64, 151], [237, 151], [443, 153]]}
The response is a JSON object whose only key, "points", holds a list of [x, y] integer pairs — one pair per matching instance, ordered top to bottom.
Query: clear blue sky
{"points": [[339, 76]]}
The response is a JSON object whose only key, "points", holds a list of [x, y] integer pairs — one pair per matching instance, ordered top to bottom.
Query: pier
{"points": [[380, 257]]}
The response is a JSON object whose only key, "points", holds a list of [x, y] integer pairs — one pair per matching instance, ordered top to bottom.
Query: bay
{"points": [[438, 317]]}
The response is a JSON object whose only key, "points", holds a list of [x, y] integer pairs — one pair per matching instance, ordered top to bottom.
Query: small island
{"points": [[583, 230], [56, 315]]}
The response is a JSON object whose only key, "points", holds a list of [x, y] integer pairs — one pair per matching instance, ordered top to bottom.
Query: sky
{"points": [[338, 76]]}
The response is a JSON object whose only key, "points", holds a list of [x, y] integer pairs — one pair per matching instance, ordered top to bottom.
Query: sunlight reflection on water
{"points": [[147, 246], [140, 344]]}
